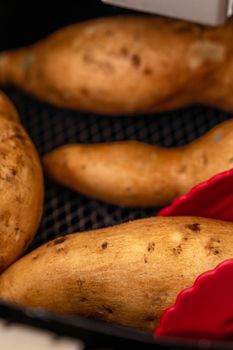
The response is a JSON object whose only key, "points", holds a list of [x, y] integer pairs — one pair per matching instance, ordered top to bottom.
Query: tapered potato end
{"points": [[7, 110], [125, 173]]}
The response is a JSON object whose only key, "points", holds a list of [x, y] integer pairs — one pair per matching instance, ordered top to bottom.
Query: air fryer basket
{"points": [[49, 127], [67, 212]]}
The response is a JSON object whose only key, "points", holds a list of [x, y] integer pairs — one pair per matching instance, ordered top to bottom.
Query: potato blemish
{"points": [[136, 60], [194, 227], [59, 240], [104, 245], [213, 246], [151, 247], [178, 250], [108, 309]]}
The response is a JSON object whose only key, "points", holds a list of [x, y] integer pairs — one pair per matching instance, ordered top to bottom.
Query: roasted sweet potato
{"points": [[127, 65], [136, 174], [21, 186], [127, 274]]}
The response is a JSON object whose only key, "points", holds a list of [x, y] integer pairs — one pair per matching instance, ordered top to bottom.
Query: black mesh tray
{"points": [[49, 127], [67, 212]]}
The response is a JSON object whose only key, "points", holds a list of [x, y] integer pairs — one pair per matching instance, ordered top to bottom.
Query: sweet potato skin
{"points": [[127, 65], [131, 173], [21, 186], [126, 274]]}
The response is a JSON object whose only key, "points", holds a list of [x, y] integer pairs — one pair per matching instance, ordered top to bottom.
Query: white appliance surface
{"points": [[213, 12], [17, 337]]}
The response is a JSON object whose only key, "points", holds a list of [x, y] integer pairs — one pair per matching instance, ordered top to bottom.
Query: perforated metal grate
{"points": [[66, 211]]}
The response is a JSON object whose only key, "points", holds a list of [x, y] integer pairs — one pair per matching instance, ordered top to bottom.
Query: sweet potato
{"points": [[127, 65], [136, 174], [21, 186], [127, 274]]}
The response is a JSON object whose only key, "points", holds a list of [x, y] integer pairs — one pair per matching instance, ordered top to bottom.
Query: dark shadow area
{"points": [[23, 22]]}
